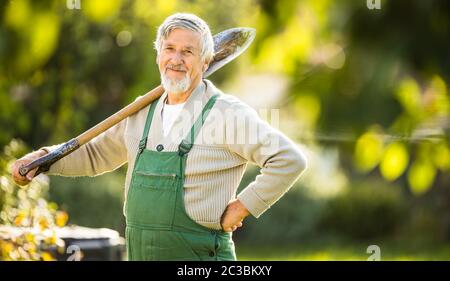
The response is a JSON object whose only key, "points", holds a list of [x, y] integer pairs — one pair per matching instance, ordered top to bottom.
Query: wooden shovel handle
{"points": [[129, 110], [47, 160]]}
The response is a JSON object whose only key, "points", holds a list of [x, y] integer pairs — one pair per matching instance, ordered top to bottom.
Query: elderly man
{"points": [[183, 167]]}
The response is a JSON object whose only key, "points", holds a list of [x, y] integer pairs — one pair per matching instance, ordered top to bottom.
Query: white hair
{"points": [[189, 22]]}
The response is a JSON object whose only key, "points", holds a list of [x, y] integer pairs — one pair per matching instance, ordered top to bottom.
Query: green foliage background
{"points": [[363, 91]]}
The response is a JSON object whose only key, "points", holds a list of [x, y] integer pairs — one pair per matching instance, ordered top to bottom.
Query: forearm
{"points": [[104, 153], [280, 160], [276, 177]]}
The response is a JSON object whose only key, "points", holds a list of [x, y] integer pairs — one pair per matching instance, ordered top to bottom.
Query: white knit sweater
{"points": [[232, 135]]}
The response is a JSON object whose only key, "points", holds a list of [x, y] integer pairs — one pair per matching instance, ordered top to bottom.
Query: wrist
{"points": [[243, 210]]}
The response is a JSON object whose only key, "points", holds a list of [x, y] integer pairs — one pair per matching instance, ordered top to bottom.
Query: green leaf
{"points": [[368, 152], [395, 161], [421, 176]]}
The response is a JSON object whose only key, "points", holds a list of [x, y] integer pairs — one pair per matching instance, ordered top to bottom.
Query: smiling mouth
{"points": [[176, 70]]}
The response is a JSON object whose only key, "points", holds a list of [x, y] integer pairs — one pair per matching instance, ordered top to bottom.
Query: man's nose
{"points": [[177, 58]]}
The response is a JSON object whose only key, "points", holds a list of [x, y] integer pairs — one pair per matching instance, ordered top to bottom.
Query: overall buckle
{"points": [[142, 145], [184, 148]]}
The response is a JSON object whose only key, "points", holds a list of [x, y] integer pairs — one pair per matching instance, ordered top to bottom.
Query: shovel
{"points": [[228, 45]]}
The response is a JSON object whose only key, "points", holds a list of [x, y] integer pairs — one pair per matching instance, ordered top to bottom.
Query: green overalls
{"points": [[158, 227]]}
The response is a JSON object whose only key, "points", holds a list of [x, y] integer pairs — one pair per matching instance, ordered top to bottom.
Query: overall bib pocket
{"points": [[154, 200]]}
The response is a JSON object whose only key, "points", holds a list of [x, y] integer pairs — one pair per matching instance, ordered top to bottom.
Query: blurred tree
{"points": [[84, 65], [80, 66], [366, 82], [371, 83], [27, 219]]}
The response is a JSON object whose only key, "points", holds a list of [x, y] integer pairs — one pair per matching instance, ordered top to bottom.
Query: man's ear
{"points": [[205, 66]]}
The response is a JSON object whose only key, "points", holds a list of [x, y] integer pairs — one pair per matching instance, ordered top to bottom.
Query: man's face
{"points": [[179, 61]]}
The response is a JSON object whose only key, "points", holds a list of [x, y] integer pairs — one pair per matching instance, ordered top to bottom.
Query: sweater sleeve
{"points": [[102, 154], [280, 160]]}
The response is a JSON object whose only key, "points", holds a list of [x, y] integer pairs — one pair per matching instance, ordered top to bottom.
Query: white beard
{"points": [[175, 86]]}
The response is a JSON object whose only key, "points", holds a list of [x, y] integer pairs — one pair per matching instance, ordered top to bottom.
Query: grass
{"points": [[345, 252]]}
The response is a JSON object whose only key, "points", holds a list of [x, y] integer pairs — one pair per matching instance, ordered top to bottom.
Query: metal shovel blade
{"points": [[228, 45]]}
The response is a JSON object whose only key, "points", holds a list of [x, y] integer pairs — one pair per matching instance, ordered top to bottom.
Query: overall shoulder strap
{"points": [[148, 123], [187, 143]]}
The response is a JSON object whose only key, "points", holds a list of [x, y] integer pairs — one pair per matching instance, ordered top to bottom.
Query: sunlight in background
{"points": [[100, 10], [151, 10], [17, 14], [38, 31], [44, 37], [124, 38], [279, 53], [332, 55], [264, 90], [362, 92], [409, 96], [436, 99], [307, 110], [368, 151], [441, 156], [394, 162], [421, 176], [324, 178]]}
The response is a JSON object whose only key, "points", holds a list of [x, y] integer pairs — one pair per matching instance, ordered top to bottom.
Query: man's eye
{"points": [[188, 52]]}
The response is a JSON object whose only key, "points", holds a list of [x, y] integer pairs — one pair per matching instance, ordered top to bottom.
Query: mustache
{"points": [[178, 67]]}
